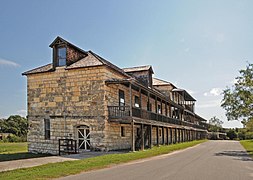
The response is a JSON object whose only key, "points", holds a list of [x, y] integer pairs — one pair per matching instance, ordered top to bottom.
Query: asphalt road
{"points": [[213, 160]]}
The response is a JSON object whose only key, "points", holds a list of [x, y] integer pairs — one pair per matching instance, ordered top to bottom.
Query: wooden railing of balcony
{"points": [[124, 111]]}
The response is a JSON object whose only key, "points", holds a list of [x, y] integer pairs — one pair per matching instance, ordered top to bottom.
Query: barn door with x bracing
{"points": [[83, 135]]}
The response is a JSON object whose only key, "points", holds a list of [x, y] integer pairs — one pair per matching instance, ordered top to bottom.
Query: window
{"points": [[61, 56], [121, 98], [136, 101], [149, 106], [159, 109], [47, 128], [122, 131]]}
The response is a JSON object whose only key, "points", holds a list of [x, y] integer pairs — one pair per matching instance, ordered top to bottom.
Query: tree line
{"points": [[16, 127]]}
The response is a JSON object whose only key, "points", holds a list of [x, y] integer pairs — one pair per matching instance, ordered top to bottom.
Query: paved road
{"points": [[213, 160]]}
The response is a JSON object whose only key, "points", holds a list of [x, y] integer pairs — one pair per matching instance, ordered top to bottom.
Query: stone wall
{"points": [[78, 95]]}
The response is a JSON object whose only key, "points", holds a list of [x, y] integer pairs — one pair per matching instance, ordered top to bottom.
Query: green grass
{"points": [[248, 145], [15, 151], [54, 170]]}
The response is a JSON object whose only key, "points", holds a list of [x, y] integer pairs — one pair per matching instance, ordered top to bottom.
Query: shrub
{"points": [[249, 135], [14, 138]]}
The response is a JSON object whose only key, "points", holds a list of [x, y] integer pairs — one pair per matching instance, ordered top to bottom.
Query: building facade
{"points": [[82, 96]]}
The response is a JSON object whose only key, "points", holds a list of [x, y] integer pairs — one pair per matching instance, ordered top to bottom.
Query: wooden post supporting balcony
{"points": [[130, 100], [156, 104], [140, 106], [131, 114], [157, 135], [175, 135], [179, 135], [184, 135], [167, 136], [171, 136], [133, 137], [142, 137], [150, 137], [163, 142]]}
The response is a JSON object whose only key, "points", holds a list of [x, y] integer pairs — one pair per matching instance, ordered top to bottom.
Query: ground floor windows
{"points": [[47, 128], [123, 131]]}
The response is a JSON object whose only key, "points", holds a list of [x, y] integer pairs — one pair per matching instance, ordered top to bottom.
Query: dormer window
{"points": [[61, 56]]}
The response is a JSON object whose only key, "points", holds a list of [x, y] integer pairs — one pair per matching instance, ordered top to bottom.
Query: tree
{"points": [[238, 100], [15, 124], [215, 124], [231, 134]]}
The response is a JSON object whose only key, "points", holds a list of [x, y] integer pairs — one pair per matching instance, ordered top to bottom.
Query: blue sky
{"points": [[197, 45]]}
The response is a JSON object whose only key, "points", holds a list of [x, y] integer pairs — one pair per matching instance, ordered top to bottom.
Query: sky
{"points": [[197, 45]]}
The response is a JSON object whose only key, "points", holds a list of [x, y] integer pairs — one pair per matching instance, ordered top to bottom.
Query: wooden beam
{"points": [[130, 100], [157, 135], [175, 135], [150, 136], [167, 136], [133, 137], [142, 137], [163, 142]]}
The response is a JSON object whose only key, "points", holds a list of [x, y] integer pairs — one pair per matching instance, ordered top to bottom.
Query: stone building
{"points": [[82, 96]]}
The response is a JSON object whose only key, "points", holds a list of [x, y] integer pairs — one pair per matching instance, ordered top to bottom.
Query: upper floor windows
{"points": [[61, 56], [121, 98], [136, 101]]}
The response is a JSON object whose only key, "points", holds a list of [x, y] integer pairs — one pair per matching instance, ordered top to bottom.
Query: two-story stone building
{"points": [[84, 97]]}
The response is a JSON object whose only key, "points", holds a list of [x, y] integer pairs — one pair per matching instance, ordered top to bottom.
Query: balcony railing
{"points": [[116, 112]]}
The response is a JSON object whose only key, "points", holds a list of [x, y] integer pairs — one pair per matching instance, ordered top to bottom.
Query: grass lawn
{"points": [[248, 145], [14, 151], [66, 168]]}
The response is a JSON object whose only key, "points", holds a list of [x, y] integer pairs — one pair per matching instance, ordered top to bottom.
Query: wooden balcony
{"points": [[117, 112]]}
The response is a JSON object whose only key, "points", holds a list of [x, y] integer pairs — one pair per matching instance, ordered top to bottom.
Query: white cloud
{"points": [[4, 62], [214, 92], [208, 104], [22, 112]]}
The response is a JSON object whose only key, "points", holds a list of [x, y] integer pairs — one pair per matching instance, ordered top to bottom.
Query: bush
{"points": [[231, 134], [241, 135], [249, 135], [14, 138]]}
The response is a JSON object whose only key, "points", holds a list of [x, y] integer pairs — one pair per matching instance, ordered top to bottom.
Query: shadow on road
{"points": [[239, 155]]}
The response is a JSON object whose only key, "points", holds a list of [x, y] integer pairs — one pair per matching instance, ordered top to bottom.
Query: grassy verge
{"points": [[248, 145], [15, 151], [66, 168]]}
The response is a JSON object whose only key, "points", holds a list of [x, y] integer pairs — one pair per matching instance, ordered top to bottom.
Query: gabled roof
{"points": [[60, 40], [91, 59], [105, 62], [45, 68], [139, 68], [160, 82]]}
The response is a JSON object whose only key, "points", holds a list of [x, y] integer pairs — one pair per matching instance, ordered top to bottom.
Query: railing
{"points": [[119, 111], [124, 111], [67, 146]]}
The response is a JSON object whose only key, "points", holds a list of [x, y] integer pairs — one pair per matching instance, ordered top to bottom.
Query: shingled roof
{"points": [[92, 59], [138, 68], [41, 69], [160, 82]]}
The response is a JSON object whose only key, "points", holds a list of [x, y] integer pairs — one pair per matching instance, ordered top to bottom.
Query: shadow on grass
{"points": [[239, 155], [17, 156]]}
